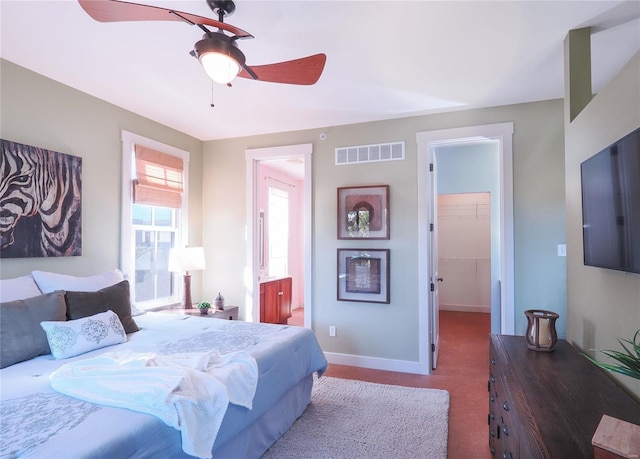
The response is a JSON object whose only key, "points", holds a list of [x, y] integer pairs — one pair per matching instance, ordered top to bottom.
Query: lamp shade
{"points": [[220, 57], [186, 259]]}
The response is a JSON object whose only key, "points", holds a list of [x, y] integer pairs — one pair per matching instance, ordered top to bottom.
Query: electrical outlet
{"points": [[562, 250], [332, 330]]}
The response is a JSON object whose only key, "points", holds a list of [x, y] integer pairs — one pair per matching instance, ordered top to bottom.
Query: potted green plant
{"points": [[204, 307], [628, 360]]}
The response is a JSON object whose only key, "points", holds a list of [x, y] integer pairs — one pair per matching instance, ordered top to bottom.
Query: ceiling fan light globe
{"points": [[220, 57], [220, 67]]}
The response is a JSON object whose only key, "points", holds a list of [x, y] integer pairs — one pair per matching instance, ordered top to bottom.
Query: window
{"points": [[154, 218], [155, 230], [278, 232]]}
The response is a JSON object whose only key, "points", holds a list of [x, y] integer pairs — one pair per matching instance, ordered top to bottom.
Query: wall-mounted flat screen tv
{"points": [[611, 206]]}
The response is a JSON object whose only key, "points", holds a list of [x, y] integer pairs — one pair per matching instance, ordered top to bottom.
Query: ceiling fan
{"points": [[217, 51]]}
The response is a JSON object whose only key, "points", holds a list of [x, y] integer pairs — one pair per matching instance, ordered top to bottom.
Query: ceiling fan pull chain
{"points": [[212, 104]]}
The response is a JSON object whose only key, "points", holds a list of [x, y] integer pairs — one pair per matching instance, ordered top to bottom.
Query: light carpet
{"points": [[356, 419]]}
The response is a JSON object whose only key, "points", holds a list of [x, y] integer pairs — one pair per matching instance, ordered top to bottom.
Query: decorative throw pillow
{"points": [[49, 282], [18, 289], [114, 298], [21, 337], [74, 337]]}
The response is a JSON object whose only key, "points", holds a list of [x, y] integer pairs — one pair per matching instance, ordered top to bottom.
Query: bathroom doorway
{"points": [[287, 169], [281, 208]]}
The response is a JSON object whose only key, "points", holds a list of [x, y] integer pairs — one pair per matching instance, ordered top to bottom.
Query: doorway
{"points": [[282, 160], [280, 208], [503, 308]]}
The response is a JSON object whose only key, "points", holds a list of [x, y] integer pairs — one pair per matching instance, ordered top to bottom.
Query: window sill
{"points": [[158, 305]]}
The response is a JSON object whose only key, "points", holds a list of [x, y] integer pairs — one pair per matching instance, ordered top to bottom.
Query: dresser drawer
{"points": [[502, 426]]}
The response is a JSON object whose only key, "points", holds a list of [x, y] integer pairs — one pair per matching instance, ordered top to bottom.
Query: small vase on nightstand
{"points": [[219, 302]]}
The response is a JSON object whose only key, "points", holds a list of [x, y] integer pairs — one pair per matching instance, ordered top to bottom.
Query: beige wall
{"points": [[41, 112], [602, 304], [390, 331]]}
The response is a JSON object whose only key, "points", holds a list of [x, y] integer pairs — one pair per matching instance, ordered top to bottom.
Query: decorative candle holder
{"points": [[219, 302], [541, 330]]}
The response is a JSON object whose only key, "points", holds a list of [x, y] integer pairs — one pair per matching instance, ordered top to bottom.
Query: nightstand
{"points": [[229, 312]]}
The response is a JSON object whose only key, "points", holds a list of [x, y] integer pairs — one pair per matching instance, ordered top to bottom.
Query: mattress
{"points": [[39, 422]]}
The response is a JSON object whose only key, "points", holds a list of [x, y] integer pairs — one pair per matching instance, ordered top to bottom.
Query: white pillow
{"points": [[50, 282], [19, 288], [73, 337]]}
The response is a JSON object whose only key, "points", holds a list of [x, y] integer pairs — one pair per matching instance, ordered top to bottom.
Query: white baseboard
{"points": [[465, 308], [375, 363]]}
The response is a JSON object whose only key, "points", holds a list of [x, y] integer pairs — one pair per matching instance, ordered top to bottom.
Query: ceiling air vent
{"points": [[370, 153]]}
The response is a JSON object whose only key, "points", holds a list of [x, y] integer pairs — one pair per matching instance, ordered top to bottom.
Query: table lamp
{"points": [[183, 260]]}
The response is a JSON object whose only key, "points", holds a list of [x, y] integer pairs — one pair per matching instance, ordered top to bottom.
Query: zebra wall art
{"points": [[40, 202]]}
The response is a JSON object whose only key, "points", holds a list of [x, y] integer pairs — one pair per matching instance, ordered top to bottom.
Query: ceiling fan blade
{"points": [[116, 11], [305, 70]]}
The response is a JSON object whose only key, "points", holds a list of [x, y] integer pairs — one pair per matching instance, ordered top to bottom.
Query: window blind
{"points": [[158, 178]]}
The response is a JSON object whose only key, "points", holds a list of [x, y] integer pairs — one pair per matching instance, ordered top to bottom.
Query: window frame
{"points": [[127, 236]]}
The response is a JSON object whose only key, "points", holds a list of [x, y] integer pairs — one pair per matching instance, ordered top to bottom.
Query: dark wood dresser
{"points": [[548, 405]]}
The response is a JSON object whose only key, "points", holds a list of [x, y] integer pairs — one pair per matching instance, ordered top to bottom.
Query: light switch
{"points": [[562, 250]]}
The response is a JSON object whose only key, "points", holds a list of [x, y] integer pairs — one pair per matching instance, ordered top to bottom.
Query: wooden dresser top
{"points": [[560, 396]]}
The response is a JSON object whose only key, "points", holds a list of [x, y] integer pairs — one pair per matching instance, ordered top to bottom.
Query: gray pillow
{"points": [[115, 298], [21, 337]]}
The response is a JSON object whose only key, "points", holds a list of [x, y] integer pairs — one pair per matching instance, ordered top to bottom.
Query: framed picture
{"points": [[43, 189], [363, 212], [363, 275]]}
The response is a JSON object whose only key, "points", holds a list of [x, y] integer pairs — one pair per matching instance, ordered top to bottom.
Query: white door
{"points": [[434, 279]]}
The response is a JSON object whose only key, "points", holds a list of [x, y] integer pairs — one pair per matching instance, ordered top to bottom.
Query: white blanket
{"points": [[189, 392]]}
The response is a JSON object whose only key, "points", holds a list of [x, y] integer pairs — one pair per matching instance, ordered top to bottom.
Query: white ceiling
{"points": [[385, 59]]}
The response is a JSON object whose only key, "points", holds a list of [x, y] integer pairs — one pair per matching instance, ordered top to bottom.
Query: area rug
{"points": [[354, 419]]}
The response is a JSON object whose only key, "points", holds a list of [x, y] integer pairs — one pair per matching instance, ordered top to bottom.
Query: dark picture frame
{"points": [[363, 212], [363, 275]]}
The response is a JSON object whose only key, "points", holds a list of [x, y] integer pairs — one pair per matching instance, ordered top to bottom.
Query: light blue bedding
{"points": [[38, 422]]}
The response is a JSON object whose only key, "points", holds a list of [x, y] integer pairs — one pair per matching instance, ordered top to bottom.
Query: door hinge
{"points": [[430, 167], [430, 226], [432, 287], [433, 347]]}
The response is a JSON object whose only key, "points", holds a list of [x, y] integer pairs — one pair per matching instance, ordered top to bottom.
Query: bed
{"points": [[38, 421]]}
